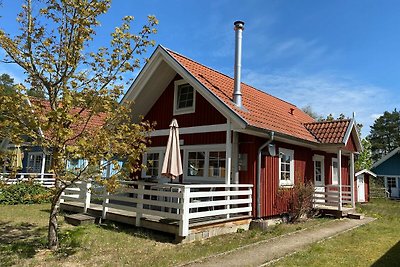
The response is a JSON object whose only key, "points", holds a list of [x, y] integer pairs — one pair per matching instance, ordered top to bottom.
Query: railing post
{"points": [[42, 169], [87, 190], [62, 200], [106, 200], [340, 202], [353, 202], [250, 205], [139, 206], [228, 207], [184, 222]]}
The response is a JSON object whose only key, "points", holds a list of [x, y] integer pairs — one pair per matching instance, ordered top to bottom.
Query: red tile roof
{"points": [[261, 110], [86, 123], [329, 132]]}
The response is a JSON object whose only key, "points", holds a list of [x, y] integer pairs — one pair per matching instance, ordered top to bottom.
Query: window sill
{"points": [[184, 111], [286, 185]]}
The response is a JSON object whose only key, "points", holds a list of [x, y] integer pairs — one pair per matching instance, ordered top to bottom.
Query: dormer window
{"points": [[184, 98]]}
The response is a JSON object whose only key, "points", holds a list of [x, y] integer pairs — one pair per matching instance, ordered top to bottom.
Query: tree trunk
{"points": [[53, 223]]}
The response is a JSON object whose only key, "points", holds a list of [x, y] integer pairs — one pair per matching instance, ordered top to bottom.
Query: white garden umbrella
{"points": [[172, 165]]}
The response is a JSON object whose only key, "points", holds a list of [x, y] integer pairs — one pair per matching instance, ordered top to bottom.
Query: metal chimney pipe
{"points": [[237, 94]]}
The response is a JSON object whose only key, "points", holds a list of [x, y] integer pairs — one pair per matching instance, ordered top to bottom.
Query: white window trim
{"points": [[183, 110], [207, 149], [186, 150], [160, 152], [35, 153], [322, 160], [338, 169], [396, 180], [287, 183]]}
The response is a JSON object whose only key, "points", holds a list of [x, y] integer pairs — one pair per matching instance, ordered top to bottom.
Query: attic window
{"points": [[184, 98]]}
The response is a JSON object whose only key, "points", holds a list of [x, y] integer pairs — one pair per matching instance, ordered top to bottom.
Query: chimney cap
{"points": [[239, 25]]}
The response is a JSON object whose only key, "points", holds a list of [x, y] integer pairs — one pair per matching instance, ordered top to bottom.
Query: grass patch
{"points": [[112, 244], [374, 244]]}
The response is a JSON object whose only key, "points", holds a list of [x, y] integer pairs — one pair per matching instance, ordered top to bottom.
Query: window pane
{"points": [[185, 96], [34, 163], [47, 163], [196, 163], [152, 164], [217, 164], [318, 171], [391, 181]]}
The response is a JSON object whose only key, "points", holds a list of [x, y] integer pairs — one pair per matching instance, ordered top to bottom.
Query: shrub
{"points": [[24, 193], [296, 202]]}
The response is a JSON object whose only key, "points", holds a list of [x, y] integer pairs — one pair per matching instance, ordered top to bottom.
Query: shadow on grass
{"points": [[139, 232], [25, 240], [19, 241], [391, 257]]}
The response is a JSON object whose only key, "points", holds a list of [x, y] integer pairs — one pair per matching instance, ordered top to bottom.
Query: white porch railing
{"points": [[44, 179], [79, 192], [331, 196], [184, 203]]}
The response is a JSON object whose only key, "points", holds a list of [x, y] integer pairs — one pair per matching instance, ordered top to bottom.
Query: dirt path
{"points": [[261, 253]]}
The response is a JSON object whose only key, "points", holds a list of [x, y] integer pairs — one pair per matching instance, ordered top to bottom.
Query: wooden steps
{"points": [[356, 216], [79, 219]]}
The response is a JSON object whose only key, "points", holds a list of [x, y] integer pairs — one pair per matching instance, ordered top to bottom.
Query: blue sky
{"points": [[336, 56]]}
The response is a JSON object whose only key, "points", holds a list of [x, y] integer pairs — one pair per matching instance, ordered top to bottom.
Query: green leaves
{"points": [[80, 117], [385, 134]]}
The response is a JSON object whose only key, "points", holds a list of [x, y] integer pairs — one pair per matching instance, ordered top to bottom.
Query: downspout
{"points": [[258, 182]]}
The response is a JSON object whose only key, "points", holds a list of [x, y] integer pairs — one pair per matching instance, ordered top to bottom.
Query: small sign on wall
{"points": [[242, 162]]}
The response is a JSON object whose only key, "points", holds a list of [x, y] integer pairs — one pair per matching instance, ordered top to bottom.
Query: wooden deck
{"points": [[189, 211], [197, 226]]}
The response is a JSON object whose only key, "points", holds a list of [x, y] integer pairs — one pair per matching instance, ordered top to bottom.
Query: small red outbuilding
{"points": [[361, 182]]}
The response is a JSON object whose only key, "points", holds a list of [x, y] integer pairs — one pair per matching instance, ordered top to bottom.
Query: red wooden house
{"points": [[233, 133]]}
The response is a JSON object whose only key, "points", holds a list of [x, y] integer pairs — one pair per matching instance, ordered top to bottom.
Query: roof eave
{"points": [[386, 157]]}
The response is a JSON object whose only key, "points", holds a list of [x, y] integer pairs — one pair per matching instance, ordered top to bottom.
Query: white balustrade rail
{"points": [[44, 179], [79, 192], [331, 196], [180, 202]]}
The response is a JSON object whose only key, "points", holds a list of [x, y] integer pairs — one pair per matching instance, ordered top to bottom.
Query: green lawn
{"points": [[23, 239], [375, 244]]}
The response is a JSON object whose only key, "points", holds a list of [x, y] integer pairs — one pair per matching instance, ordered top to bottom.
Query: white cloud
{"points": [[327, 94]]}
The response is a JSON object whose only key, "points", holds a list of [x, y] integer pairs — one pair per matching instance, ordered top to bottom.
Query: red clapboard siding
{"points": [[162, 111], [192, 139], [249, 145], [351, 145]]}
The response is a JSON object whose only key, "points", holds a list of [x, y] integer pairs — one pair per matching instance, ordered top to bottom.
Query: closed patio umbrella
{"points": [[16, 158], [172, 165]]}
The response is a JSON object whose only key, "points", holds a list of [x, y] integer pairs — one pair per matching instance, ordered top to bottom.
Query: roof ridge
{"points": [[252, 87]]}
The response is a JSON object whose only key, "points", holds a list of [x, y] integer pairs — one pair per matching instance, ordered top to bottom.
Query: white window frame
{"points": [[187, 110], [186, 149], [207, 149], [160, 152], [289, 152], [35, 154], [321, 159], [82, 164], [108, 168], [336, 181], [395, 181]]}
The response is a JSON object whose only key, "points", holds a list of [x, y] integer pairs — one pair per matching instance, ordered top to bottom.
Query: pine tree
{"points": [[385, 134]]}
